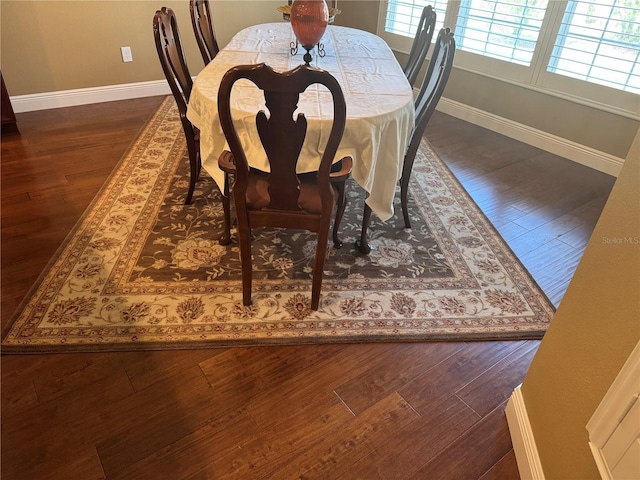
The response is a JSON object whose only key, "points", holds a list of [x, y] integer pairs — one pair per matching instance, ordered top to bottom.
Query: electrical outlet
{"points": [[126, 54]]}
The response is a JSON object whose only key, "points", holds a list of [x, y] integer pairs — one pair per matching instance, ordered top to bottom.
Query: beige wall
{"points": [[362, 14], [51, 46], [606, 132], [591, 336]]}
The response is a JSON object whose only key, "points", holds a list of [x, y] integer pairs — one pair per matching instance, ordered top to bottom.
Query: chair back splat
{"points": [[203, 29], [421, 44], [176, 71], [434, 83], [283, 198]]}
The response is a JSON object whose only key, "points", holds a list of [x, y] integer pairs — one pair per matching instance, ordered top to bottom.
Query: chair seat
{"points": [[257, 190], [309, 199]]}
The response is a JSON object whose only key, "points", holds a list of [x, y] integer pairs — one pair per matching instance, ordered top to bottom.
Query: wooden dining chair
{"points": [[203, 29], [421, 44], [174, 66], [435, 81], [430, 92], [283, 198]]}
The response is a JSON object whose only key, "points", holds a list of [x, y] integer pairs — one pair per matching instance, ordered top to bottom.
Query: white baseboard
{"points": [[84, 96], [550, 143], [581, 154], [524, 444]]}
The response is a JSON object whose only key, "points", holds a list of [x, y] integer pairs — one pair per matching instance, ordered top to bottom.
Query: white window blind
{"points": [[403, 16], [503, 29], [599, 42], [583, 49]]}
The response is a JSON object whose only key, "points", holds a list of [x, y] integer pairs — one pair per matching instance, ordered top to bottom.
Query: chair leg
{"points": [[194, 171], [192, 186], [404, 190], [404, 203], [341, 205], [225, 238], [244, 240], [363, 243], [318, 269]]}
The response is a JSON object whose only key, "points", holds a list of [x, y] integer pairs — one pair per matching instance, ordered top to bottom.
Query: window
{"points": [[403, 16], [504, 30], [599, 42], [584, 49]]}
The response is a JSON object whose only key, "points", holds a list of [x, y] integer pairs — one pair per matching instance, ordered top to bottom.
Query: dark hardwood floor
{"points": [[368, 411]]}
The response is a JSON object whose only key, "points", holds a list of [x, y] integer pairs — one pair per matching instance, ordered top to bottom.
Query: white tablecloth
{"points": [[380, 111]]}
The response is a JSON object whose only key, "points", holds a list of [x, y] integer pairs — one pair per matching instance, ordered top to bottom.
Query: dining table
{"points": [[379, 99]]}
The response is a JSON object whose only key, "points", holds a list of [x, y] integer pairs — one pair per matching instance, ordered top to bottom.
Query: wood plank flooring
{"points": [[370, 411]]}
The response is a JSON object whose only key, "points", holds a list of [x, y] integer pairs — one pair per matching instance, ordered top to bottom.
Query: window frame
{"points": [[535, 76]]}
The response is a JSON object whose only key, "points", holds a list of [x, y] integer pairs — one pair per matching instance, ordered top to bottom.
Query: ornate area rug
{"points": [[141, 270]]}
